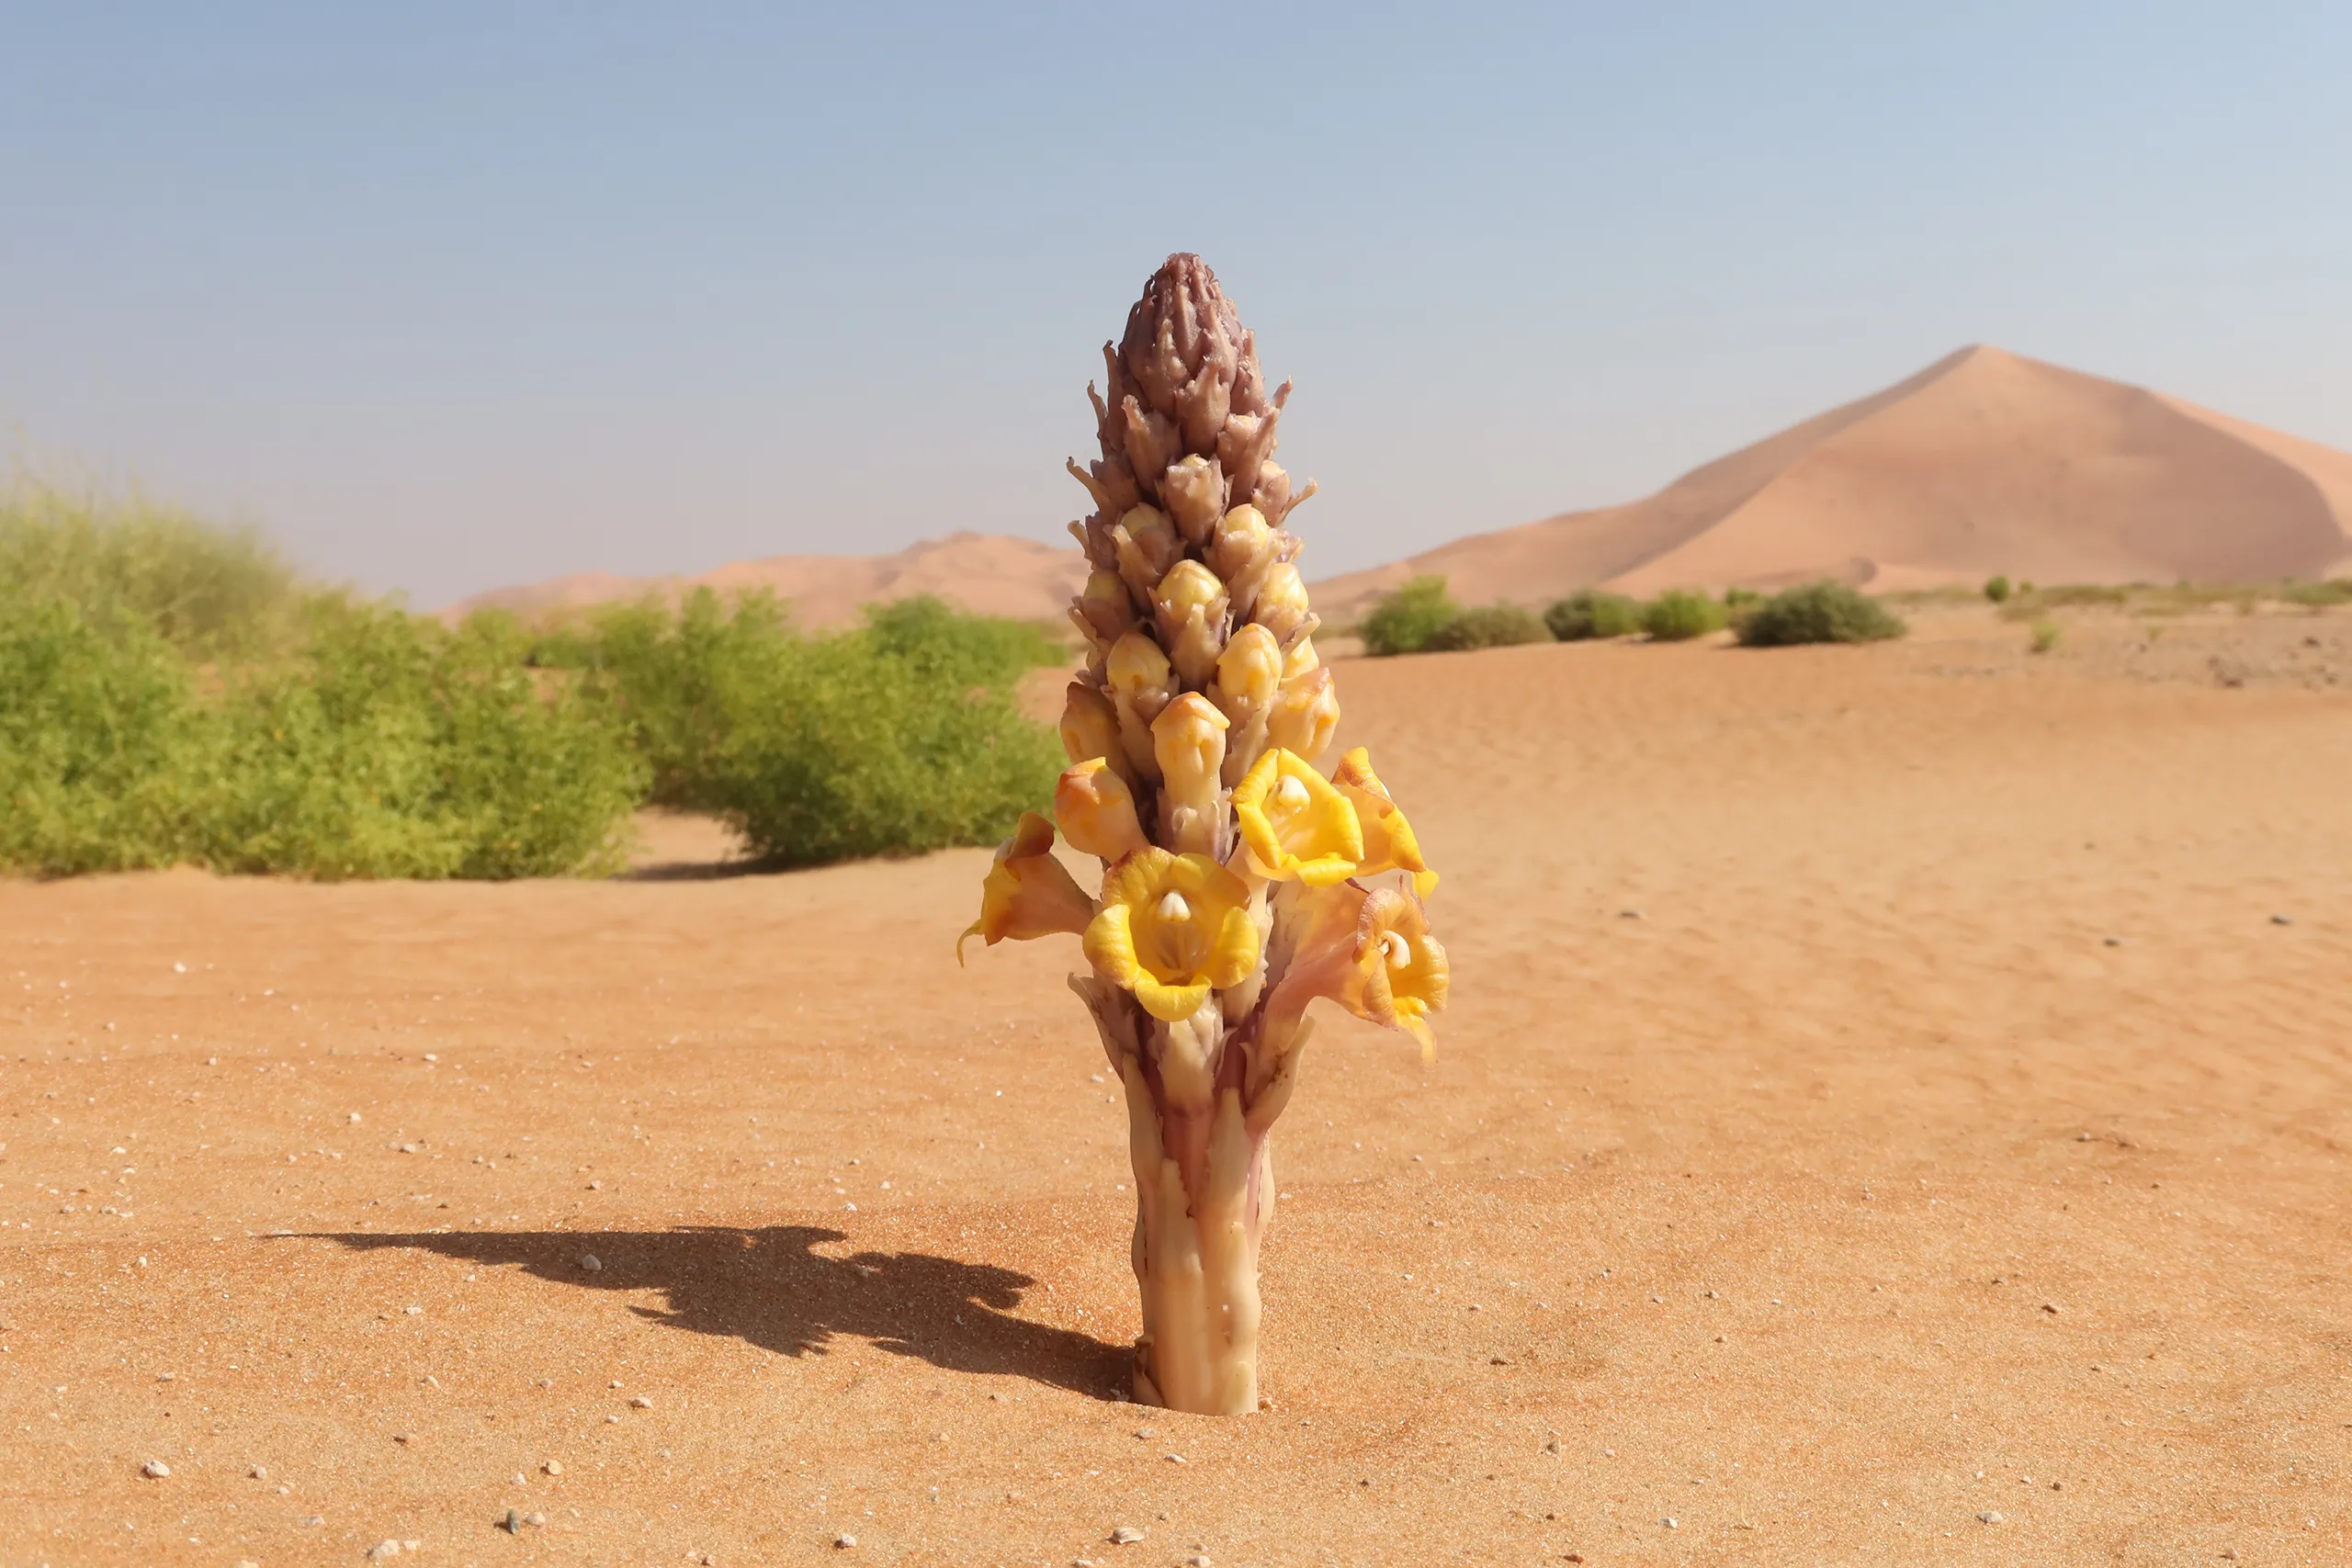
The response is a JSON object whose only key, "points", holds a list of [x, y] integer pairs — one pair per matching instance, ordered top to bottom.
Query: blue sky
{"points": [[450, 295]]}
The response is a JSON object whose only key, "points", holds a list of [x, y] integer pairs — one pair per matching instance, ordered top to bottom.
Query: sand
{"points": [[1985, 462], [1883, 1117]]}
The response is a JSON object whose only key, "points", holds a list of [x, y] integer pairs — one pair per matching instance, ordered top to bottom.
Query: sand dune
{"points": [[1984, 462], [990, 574]]}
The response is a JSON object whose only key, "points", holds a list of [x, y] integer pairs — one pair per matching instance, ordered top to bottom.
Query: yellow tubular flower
{"points": [[1090, 726], [1096, 810], [1297, 827], [1389, 841], [1027, 894], [1170, 928], [1371, 953], [1404, 971]]}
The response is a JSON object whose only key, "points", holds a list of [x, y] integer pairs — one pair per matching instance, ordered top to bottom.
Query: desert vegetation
{"points": [[1422, 617], [172, 692]]}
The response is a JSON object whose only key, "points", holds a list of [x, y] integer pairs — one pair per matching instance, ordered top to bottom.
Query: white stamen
{"points": [[1289, 794], [1173, 908], [1398, 950]]}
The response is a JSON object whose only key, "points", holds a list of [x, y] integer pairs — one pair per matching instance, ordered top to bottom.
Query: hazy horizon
{"points": [[459, 297]]}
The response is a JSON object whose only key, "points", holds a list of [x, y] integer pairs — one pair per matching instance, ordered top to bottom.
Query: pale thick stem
{"points": [[1196, 1257]]}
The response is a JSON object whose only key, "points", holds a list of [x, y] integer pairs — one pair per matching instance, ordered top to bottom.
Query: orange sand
{"points": [[1856, 1189]]}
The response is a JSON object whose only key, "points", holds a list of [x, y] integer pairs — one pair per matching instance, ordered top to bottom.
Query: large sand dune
{"points": [[1984, 462], [990, 574], [1954, 1137]]}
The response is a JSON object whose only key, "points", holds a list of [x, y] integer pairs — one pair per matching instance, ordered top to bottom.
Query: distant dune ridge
{"points": [[1983, 462], [990, 574]]}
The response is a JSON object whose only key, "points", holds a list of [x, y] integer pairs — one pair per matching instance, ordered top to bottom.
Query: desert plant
{"points": [[125, 559], [1996, 589], [1818, 612], [1590, 614], [1677, 616], [1405, 620], [1489, 626], [2046, 634], [99, 739], [389, 745], [1240, 881]]}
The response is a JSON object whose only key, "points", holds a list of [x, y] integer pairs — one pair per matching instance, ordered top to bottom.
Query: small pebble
{"points": [[2282, 920], [2112, 940], [591, 1263], [2052, 1308], [640, 1403], [612, 1420], [1147, 1432], [403, 1438], [1173, 1459], [553, 1467], [155, 1470], [259, 1473], [1990, 1516], [535, 1518], [311, 1521], [513, 1523], [1671, 1523], [1126, 1535], [844, 1541], [383, 1550], [1198, 1560]]}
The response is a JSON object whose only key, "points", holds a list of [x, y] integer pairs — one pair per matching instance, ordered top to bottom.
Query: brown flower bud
{"points": [[1151, 443], [1194, 492], [1147, 546], [1281, 603], [1105, 611]]}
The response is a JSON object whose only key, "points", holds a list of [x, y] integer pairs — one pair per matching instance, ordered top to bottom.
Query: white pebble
{"points": [[590, 1262], [640, 1403], [553, 1467], [155, 1470], [1990, 1516], [1126, 1535], [843, 1541], [384, 1548]]}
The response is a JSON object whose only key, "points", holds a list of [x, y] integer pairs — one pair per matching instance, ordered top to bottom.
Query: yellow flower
{"points": [[1096, 810], [1297, 827], [1389, 841], [1027, 894], [1170, 928], [1370, 952], [1405, 973]]}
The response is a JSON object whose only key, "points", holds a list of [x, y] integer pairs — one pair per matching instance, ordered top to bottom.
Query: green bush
{"points": [[1996, 589], [208, 590], [1818, 612], [1589, 614], [1677, 616], [1404, 621], [1489, 626], [2045, 635], [100, 736], [898, 736], [389, 745]]}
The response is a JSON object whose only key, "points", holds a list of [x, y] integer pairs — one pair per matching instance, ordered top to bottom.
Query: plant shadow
{"points": [[772, 1287]]}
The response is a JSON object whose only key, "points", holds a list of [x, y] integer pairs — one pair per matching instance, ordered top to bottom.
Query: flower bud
{"points": [[1151, 441], [1193, 492], [1241, 534], [1146, 546], [1280, 605], [1105, 611], [1192, 619], [1301, 659], [1247, 672], [1141, 682], [1305, 714], [1090, 726], [1188, 741], [1096, 811]]}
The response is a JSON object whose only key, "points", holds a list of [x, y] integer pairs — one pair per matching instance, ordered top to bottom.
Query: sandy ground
{"points": [[1895, 1108]]}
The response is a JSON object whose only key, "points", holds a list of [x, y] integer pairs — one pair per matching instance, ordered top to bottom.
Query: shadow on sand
{"points": [[771, 1288]]}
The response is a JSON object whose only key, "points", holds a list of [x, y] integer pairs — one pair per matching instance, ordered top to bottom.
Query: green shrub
{"points": [[1996, 589], [206, 590], [2318, 595], [1818, 612], [1589, 614], [1677, 616], [1404, 621], [1489, 626], [2045, 635], [99, 735], [898, 736], [389, 745]]}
